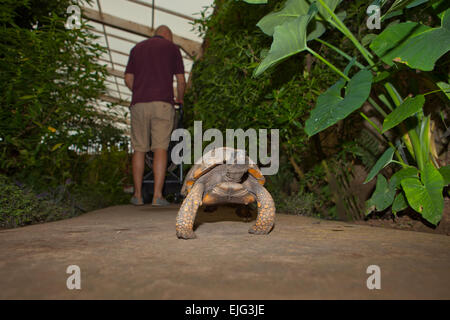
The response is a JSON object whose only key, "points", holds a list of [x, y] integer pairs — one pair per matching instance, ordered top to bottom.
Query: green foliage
{"points": [[256, 1], [292, 10], [287, 41], [387, 44], [414, 44], [417, 46], [50, 83], [225, 95], [331, 107], [408, 108], [49, 120], [365, 147], [382, 162], [445, 173], [102, 178], [98, 183], [425, 194], [383, 195], [292, 197], [302, 203], [399, 203], [19, 206]]}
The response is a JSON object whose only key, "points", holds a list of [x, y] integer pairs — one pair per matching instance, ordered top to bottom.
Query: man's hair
{"points": [[164, 31]]}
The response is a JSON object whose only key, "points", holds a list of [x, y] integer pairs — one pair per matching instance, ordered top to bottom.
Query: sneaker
{"points": [[136, 201], [161, 202]]}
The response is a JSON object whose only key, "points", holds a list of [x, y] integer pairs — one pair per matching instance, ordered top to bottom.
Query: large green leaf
{"points": [[256, 1], [401, 4], [291, 11], [288, 39], [388, 43], [419, 48], [445, 87], [332, 107], [408, 108], [382, 162], [409, 172], [445, 173], [425, 194], [383, 196], [399, 203]]}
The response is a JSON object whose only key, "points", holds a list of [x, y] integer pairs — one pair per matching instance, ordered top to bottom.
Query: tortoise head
{"points": [[235, 172]]}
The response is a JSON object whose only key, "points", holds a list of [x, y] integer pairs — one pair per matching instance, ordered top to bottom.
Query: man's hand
{"points": [[129, 79]]}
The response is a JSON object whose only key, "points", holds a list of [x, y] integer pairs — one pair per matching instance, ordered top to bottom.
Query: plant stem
{"points": [[343, 28], [342, 53], [329, 64], [431, 92], [393, 93], [377, 107], [371, 123], [407, 140], [416, 146], [404, 165]]}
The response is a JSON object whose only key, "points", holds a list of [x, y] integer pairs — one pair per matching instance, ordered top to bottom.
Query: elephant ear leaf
{"points": [[256, 1], [401, 4], [291, 11], [288, 39], [414, 44], [332, 107], [407, 109], [382, 162], [445, 173], [424, 194], [383, 196], [399, 203]]}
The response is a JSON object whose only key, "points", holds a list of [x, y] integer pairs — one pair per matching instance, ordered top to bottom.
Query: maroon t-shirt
{"points": [[154, 62]]}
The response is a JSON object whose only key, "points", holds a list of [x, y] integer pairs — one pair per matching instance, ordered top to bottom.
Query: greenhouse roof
{"points": [[120, 24]]}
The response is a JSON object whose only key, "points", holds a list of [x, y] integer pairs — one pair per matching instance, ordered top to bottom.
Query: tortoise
{"points": [[219, 177]]}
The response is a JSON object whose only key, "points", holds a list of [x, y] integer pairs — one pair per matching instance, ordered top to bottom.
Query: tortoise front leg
{"points": [[266, 210], [188, 211]]}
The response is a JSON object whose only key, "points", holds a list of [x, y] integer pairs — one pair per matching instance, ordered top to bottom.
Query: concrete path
{"points": [[128, 252]]}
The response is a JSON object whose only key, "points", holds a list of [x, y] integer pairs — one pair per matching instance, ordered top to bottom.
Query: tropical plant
{"points": [[408, 45]]}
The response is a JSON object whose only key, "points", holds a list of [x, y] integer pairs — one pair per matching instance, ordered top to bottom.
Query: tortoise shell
{"points": [[216, 157]]}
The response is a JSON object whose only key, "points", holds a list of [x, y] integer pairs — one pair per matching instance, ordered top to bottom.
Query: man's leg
{"points": [[140, 141], [138, 162], [159, 172]]}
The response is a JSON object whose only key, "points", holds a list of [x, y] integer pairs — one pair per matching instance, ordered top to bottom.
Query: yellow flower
{"points": [[52, 129]]}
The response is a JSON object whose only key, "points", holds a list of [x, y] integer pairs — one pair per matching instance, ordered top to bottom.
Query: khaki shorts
{"points": [[151, 122]]}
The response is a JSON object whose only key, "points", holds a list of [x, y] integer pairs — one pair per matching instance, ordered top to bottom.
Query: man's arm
{"points": [[129, 79], [181, 86]]}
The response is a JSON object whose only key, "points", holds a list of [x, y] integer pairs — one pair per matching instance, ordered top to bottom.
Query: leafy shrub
{"points": [[50, 83], [49, 119], [101, 178], [301, 203], [20, 206]]}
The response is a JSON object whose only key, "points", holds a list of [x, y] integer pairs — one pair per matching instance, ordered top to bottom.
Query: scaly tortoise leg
{"points": [[188, 211], [266, 211]]}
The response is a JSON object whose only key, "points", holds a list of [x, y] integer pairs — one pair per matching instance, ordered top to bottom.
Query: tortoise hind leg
{"points": [[188, 211], [266, 211]]}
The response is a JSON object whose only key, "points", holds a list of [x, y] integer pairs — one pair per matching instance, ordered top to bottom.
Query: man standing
{"points": [[149, 75]]}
